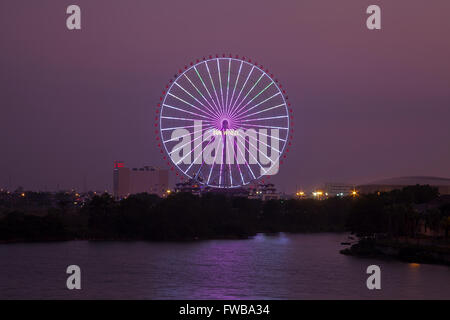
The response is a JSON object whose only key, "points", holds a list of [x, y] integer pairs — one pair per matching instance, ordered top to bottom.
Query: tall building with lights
{"points": [[148, 179]]}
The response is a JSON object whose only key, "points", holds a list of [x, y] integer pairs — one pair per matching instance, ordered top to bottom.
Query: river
{"points": [[282, 266]]}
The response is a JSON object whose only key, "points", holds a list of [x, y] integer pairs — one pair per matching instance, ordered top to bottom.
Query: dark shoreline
{"points": [[176, 239], [186, 239], [45, 240], [364, 248], [398, 250]]}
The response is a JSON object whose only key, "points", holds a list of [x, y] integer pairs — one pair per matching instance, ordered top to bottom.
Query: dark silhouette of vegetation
{"points": [[394, 213], [183, 216], [411, 224], [19, 226]]}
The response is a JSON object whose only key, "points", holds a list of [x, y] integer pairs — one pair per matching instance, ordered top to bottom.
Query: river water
{"points": [[282, 266]]}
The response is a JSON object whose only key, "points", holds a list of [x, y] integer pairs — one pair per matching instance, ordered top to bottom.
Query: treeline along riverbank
{"points": [[181, 216], [407, 218], [411, 224]]}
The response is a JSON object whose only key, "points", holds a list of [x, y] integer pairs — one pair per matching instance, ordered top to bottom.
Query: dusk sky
{"points": [[367, 104]]}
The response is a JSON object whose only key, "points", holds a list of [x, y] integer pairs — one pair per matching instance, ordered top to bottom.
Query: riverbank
{"points": [[127, 239], [408, 250]]}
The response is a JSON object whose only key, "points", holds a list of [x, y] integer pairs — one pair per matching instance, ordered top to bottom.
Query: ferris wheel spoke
{"points": [[220, 82], [228, 83], [235, 84], [206, 88], [214, 88], [251, 89], [240, 92], [201, 94], [184, 101], [250, 101], [256, 105], [186, 111], [258, 112], [209, 113], [184, 119], [262, 119], [268, 127], [174, 128], [188, 134], [266, 135], [271, 137], [251, 144], [180, 147], [272, 148], [190, 152], [250, 154], [200, 155], [226, 156], [184, 157], [237, 162], [246, 162], [221, 164], [229, 164], [212, 166], [239, 168], [231, 175]]}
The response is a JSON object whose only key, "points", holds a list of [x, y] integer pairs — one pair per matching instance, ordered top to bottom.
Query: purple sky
{"points": [[368, 104]]}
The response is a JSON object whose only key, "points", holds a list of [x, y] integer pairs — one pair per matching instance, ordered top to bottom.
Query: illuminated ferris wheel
{"points": [[224, 122]]}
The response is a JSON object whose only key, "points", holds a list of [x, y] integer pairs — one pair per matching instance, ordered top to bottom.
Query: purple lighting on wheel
{"points": [[224, 122]]}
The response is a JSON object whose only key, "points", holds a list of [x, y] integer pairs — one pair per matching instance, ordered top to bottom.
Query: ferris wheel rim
{"points": [[281, 92]]}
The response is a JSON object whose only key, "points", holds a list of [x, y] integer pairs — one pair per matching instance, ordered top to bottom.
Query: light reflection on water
{"points": [[275, 266]]}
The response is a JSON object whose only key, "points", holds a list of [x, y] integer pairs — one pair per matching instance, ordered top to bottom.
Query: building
{"points": [[148, 179], [443, 184], [190, 186], [194, 187], [338, 189], [254, 191], [263, 192]]}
